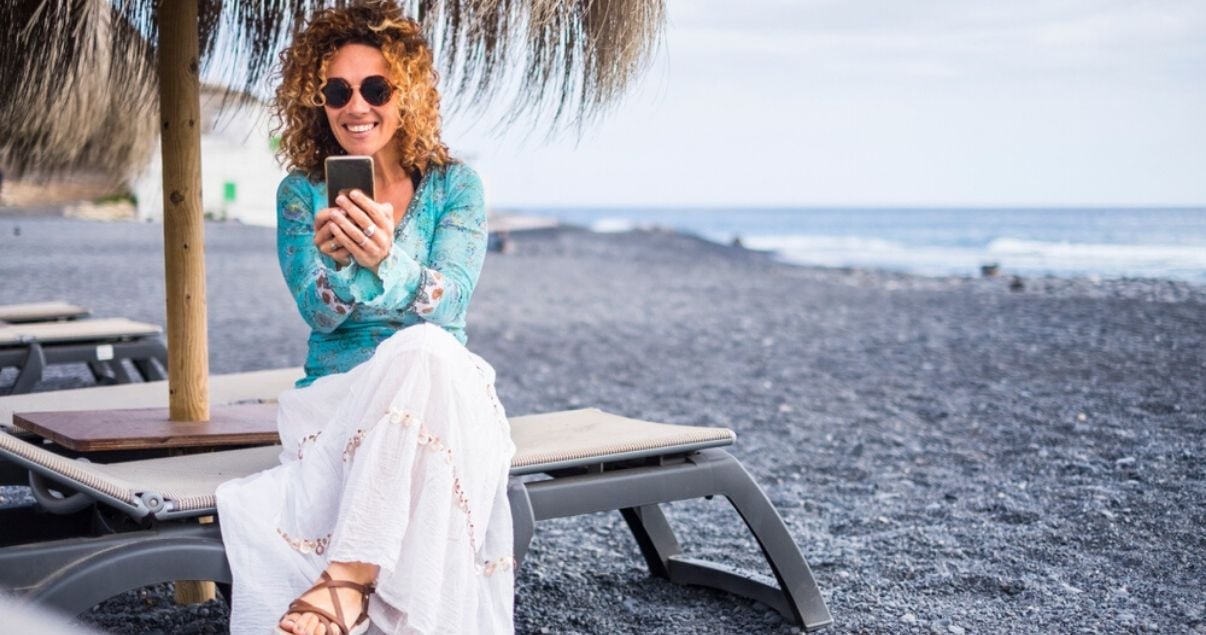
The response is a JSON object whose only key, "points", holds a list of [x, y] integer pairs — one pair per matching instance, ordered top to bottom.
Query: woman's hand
{"points": [[362, 228], [324, 238]]}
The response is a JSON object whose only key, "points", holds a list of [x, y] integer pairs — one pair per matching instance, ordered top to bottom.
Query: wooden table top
{"points": [[149, 428]]}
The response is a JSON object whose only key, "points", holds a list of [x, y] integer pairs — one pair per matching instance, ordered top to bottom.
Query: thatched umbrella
{"points": [[82, 79]]}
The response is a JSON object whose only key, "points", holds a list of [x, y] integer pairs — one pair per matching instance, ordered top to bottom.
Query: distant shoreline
{"points": [[1108, 243], [1153, 288]]}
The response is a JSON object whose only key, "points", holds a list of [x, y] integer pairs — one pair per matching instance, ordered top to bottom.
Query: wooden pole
{"points": [[183, 222], [183, 228], [196, 591]]}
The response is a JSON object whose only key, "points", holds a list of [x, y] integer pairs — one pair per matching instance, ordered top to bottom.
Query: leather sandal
{"points": [[326, 618]]}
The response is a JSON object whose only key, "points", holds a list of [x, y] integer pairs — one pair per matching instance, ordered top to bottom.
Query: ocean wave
{"points": [[612, 225], [821, 243], [1012, 255], [1190, 256]]}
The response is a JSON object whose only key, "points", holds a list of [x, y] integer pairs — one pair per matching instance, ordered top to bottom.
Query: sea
{"points": [[1166, 243]]}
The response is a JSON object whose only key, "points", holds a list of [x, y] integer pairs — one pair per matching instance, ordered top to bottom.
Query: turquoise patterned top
{"points": [[429, 274]]}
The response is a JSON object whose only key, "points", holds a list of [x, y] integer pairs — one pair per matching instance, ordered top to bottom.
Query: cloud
{"points": [[945, 39], [894, 102]]}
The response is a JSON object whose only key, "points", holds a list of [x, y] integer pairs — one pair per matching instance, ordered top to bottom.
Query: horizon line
{"points": [[847, 207]]}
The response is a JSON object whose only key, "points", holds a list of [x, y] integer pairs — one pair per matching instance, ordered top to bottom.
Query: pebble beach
{"points": [[953, 455]]}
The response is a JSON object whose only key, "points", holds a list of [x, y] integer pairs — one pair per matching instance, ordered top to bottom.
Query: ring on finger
{"points": [[369, 231], [363, 242], [332, 246]]}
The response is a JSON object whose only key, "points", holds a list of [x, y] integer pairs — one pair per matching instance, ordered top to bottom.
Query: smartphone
{"points": [[345, 174]]}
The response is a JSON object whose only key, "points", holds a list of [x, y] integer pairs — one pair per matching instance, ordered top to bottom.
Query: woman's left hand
{"points": [[365, 229]]}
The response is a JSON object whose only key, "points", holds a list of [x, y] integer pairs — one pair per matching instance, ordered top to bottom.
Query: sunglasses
{"points": [[376, 90]]}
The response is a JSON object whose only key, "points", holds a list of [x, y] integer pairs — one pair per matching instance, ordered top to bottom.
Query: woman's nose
{"points": [[357, 103]]}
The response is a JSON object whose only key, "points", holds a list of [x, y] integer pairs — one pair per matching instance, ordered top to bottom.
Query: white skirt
{"points": [[401, 462]]}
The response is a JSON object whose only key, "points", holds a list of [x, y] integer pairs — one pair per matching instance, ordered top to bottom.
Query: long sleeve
{"points": [[438, 291], [323, 294]]}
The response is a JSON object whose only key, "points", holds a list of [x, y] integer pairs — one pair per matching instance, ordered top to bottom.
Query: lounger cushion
{"points": [[40, 312], [107, 329], [580, 437]]}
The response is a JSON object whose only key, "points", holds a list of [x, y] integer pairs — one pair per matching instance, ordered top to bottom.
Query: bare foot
{"points": [[351, 601]]}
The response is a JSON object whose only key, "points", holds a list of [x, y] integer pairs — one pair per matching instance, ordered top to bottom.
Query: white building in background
{"points": [[239, 171]]}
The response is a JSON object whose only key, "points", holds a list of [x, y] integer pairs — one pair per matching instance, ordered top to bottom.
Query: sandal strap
{"points": [[327, 582], [330, 584], [364, 589], [302, 606]]}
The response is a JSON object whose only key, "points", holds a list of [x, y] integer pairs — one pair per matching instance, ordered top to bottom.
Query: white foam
{"points": [[612, 225], [821, 243], [855, 251], [1013, 255], [1120, 255]]}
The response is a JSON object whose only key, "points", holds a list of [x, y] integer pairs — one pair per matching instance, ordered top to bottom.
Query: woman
{"points": [[389, 507]]}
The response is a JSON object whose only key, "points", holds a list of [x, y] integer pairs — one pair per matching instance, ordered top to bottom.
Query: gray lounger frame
{"points": [[32, 357], [74, 573]]}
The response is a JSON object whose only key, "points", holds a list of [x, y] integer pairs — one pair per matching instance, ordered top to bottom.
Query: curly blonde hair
{"points": [[306, 136]]}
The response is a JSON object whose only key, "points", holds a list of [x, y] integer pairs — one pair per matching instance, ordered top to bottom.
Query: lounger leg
{"points": [[147, 366], [31, 370], [148, 370], [101, 372], [109, 372], [120, 375], [639, 491], [523, 521], [654, 536], [662, 553], [786, 561], [73, 575]]}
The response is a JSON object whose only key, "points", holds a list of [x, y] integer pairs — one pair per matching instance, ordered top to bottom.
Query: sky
{"points": [[883, 103]]}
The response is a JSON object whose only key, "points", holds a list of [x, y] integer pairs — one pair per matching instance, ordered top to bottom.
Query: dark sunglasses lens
{"points": [[376, 90], [337, 93]]}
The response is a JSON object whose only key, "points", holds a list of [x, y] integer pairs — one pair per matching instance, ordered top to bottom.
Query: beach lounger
{"points": [[40, 312], [101, 344], [130, 525]]}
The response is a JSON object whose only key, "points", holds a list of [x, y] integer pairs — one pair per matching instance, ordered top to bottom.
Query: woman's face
{"points": [[360, 127]]}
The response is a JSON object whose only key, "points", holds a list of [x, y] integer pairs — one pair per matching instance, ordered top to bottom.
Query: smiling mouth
{"points": [[363, 127]]}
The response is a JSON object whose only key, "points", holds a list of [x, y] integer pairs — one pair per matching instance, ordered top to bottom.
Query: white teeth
{"points": [[361, 128]]}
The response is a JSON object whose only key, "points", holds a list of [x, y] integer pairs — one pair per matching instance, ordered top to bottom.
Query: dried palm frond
{"points": [[79, 76], [72, 99]]}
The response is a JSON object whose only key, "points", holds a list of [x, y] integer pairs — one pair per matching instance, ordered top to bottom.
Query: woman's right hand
{"points": [[364, 227], [324, 237]]}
